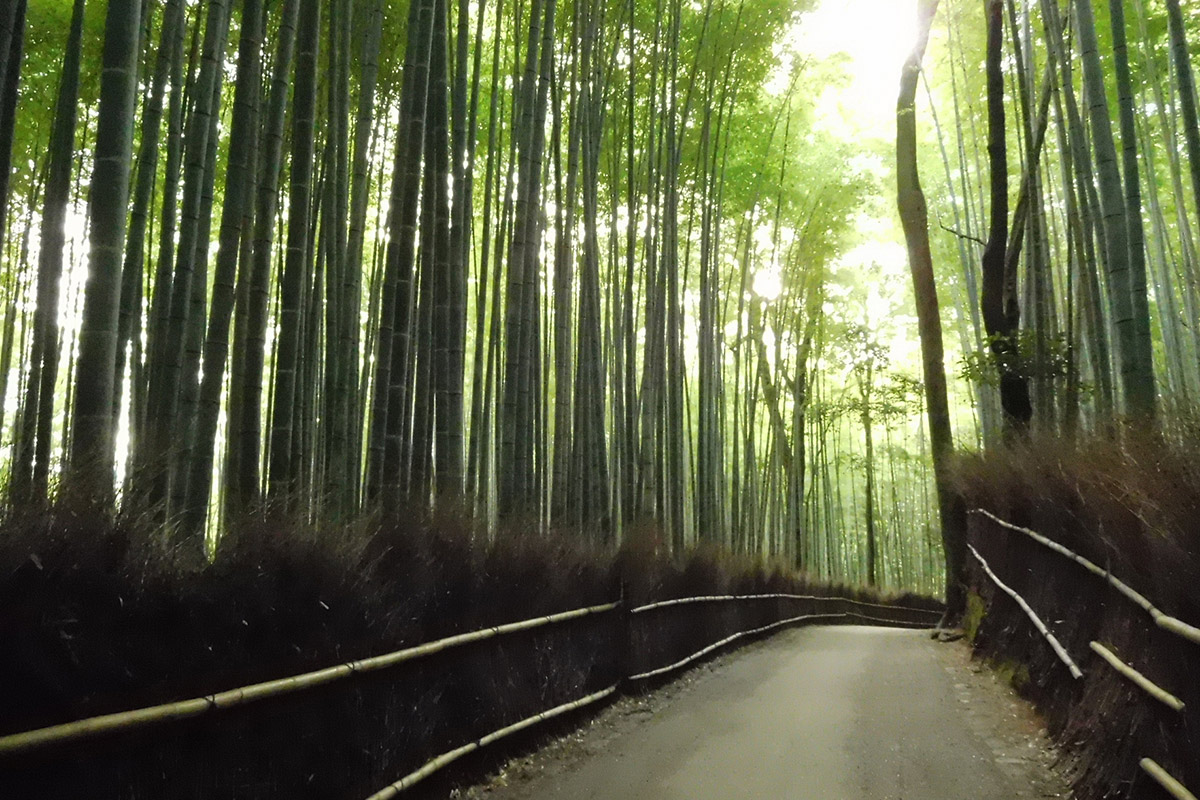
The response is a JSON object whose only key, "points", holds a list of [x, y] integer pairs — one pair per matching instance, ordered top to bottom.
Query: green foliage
{"points": [[1034, 357]]}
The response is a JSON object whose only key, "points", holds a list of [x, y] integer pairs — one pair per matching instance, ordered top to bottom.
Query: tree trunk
{"points": [[12, 45], [1186, 83], [915, 220], [998, 299], [391, 354], [1137, 375], [1143, 398], [248, 441]]}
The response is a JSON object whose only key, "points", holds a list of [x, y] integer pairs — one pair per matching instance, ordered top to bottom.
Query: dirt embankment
{"points": [[1131, 509]]}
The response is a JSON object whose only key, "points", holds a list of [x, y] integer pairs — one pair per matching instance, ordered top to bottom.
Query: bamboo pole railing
{"points": [[775, 596], [868, 618], [1161, 619], [1055, 645], [654, 673], [1140, 680], [125, 721], [443, 760], [432, 766], [1164, 779]]}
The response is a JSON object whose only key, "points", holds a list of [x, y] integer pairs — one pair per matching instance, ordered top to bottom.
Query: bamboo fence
{"points": [[776, 596], [1161, 619], [1164, 621], [1055, 645], [1145, 684], [135, 719], [126, 721], [447, 758], [1165, 780]]}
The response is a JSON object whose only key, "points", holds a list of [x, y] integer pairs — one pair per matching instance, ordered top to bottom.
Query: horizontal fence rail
{"points": [[718, 598], [868, 618], [1161, 619], [696, 656], [183, 709], [136, 719], [447, 758]]}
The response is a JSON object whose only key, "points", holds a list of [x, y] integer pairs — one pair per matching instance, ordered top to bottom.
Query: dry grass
{"points": [[98, 617]]}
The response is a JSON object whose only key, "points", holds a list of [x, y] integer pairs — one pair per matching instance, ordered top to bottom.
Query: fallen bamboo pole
{"points": [[1161, 619], [1059, 650], [1143, 683], [125, 721], [451, 756], [1164, 779]]}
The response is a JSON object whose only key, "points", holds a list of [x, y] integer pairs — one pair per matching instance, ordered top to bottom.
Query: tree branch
{"points": [[961, 235]]}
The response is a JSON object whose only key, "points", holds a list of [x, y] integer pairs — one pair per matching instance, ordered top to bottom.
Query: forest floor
{"points": [[836, 713]]}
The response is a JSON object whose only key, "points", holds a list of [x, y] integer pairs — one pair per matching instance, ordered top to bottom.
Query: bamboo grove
{"points": [[391, 257], [573, 265], [1084, 288]]}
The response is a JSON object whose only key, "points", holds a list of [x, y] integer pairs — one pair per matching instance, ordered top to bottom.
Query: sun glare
{"points": [[874, 36], [768, 285]]}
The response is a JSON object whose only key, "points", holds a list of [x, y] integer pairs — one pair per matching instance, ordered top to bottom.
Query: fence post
{"points": [[624, 635]]}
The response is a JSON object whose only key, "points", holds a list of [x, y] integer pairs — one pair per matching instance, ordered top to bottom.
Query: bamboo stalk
{"points": [[1162, 620], [1176, 626], [1059, 650], [1144, 683], [182, 709], [437, 763], [1164, 779]]}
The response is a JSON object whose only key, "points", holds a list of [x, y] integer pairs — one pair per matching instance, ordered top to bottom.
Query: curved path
{"points": [[837, 713]]}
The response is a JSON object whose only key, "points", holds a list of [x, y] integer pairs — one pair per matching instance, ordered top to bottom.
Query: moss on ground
{"points": [[973, 618], [1012, 672]]}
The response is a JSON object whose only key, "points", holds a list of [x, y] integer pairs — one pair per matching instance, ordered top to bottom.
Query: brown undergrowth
{"points": [[1131, 506], [97, 617]]}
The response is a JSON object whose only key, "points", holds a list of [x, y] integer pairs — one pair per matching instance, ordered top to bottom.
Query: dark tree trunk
{"points": [[914, 218], [998, 300]]}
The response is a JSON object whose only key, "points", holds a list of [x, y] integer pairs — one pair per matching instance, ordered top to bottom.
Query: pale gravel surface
{"points": [[820, 713]]}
